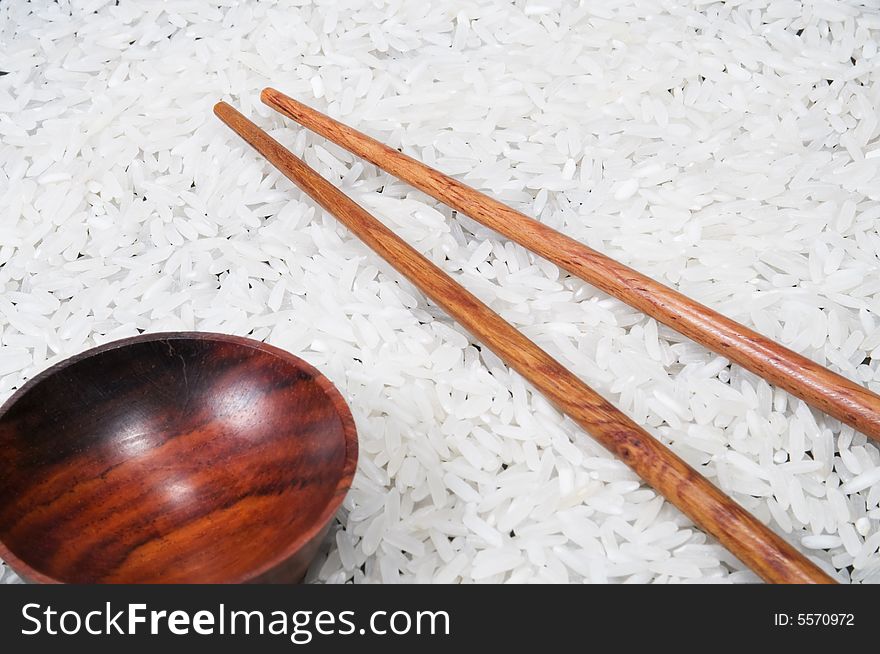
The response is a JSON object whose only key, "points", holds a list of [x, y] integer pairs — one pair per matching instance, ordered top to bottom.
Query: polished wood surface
{"points": [[827, 391], [179, 457], [752, 542]]}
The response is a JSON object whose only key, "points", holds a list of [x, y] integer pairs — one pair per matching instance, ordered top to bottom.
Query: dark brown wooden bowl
{"points": [[178, 457]]}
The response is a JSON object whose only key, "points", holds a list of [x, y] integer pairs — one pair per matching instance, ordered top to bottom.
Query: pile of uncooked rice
{"points": [[728, 149]]}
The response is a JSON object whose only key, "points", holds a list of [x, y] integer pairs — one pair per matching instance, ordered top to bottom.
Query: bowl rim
{"points": [[346, 475]]}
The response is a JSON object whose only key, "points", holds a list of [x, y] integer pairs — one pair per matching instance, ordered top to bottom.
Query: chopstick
{"points": [[825, 390], [753, 543]]}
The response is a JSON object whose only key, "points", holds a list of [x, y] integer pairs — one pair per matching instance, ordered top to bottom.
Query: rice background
{"points": [[729, 149]]}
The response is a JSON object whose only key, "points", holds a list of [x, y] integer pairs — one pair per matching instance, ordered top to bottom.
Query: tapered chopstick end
{"points": [[268, 95], [221, 109]]}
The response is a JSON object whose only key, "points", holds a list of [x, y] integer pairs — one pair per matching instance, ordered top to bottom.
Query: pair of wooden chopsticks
{"points": [[827, 391], [772, 558]]}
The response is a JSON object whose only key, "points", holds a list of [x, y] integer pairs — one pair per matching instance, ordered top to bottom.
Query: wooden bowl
{"points": [[177, 457]]}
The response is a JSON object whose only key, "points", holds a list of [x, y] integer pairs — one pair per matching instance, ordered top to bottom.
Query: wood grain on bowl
{"points": [[183, 457]]}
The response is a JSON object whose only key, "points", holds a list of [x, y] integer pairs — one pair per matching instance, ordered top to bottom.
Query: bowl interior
{"points": [[177, 459]]}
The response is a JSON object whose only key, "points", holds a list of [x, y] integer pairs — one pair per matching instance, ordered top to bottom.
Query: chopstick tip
{"points": [[268, 94]]}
